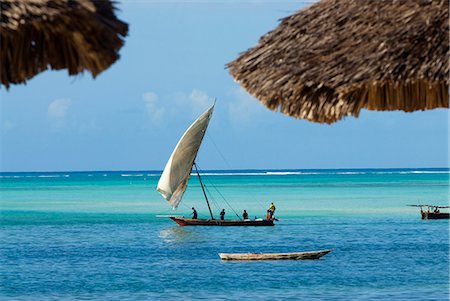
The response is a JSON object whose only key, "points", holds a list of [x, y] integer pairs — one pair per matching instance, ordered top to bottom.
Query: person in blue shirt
{"points": [[194, 213], [222, 214]]}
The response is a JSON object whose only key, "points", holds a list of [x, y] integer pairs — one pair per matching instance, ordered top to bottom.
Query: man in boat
{"points": [[271, 210], [194, 213], [222, 214], [245, 215]]}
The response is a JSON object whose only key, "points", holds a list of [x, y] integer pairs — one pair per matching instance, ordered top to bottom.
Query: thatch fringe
{"points": [[57, 34], [339, 56]]}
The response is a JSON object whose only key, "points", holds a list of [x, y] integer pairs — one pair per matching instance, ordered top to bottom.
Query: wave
{"points": [[425, 171], [389, 172], [229, 173], [265, 173], [287, 173], [290, 173], [131, 175], [141, 175], [37, 176]]}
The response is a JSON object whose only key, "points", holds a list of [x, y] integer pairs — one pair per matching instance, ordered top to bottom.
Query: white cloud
{"points": [[200, 99], [197, 101], [177, 106], [243, 106], [58, 108], [155, 111], [7, 125], [89, 127]]}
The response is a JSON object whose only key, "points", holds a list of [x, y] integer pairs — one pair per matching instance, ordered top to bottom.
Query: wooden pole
{"points": [[204, 192]]}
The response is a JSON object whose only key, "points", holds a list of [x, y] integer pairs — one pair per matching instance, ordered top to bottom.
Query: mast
{"points": [[203, 188]]}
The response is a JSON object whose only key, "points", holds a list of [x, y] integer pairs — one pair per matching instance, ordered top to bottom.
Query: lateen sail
{"points": [[174, 179]]}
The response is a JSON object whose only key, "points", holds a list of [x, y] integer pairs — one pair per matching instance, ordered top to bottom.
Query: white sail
{"points": [[174, 179]]}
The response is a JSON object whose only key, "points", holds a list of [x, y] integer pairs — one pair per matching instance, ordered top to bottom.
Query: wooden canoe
{"points": [[274, 256]]}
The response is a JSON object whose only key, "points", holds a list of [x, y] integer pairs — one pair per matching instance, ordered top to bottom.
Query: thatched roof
{"points": [[57, 34], [339, 56]]}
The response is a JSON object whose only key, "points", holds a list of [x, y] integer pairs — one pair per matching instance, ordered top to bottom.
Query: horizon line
{"points": [[238, 170]]}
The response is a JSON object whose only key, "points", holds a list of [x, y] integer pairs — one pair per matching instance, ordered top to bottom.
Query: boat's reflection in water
{"points": [[175, 234]]}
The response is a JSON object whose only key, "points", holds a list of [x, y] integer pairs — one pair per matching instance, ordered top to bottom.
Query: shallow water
{"points": [[81, 237]]}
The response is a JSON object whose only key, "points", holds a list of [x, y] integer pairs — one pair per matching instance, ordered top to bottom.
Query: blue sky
{"points": [[171, 68]]}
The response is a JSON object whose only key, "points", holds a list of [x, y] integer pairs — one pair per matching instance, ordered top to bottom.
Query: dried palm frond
{"points": [[39, 34], [339, 56]]}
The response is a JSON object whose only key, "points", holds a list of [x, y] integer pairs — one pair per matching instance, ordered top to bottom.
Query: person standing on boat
{"points": [[271, 210], [194, 213], [222, 214], [245, 215]]}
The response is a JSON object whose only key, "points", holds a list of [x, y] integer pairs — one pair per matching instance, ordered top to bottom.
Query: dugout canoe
{"points": [[274, 256]]}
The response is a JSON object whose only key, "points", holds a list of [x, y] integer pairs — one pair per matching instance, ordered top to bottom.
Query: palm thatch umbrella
{"points": [[57, 34], [339, 56]]}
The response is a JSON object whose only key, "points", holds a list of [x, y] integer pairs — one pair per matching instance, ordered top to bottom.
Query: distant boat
{"points": [[175, 177], [432, 211], [274, 256]]}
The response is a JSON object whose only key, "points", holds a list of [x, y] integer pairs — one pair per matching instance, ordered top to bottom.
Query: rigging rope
{"points": [[218, 150], [230, 168], [219, 194], [224, 200], [215, 203], [201, 215]]}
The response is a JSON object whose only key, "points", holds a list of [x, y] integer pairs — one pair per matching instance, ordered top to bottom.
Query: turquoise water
{"points": [[96, 235]]}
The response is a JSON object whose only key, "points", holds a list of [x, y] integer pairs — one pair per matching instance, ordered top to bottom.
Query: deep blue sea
{"points": [[97, 235]]}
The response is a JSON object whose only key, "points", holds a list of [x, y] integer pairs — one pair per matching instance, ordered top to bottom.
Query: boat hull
{"points": [[432, 215], [214, 222], [274, 256]]}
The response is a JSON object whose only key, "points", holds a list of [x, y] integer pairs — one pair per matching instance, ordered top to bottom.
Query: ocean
{"points": [[104, 235]]}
